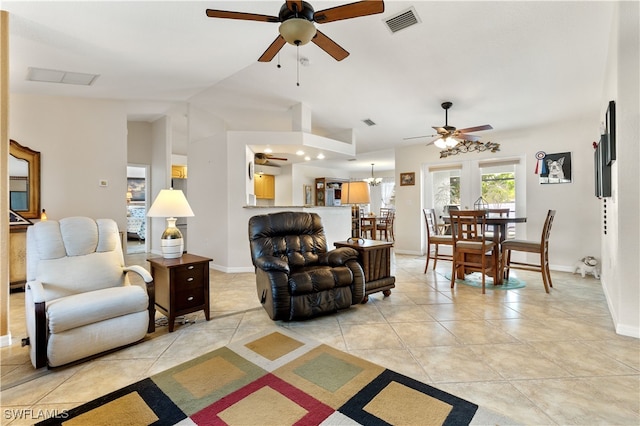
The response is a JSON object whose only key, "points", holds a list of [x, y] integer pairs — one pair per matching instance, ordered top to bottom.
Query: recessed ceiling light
{"points": [[56, 76], [268, 150], [299, 152], [320, 157], [307, 158]]}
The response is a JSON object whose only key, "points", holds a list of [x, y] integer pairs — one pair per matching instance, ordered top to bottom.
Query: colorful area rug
{"points": [[475, 280], [277, 378]]}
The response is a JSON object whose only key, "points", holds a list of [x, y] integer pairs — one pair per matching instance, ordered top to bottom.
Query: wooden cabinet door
{"points": [[179, 172], [264, 186]]}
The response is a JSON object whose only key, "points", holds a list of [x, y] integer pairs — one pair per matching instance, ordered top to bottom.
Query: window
{"points": [[445, 189], [499, 189]]}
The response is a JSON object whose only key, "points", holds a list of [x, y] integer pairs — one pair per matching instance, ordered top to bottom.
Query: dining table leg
{"points": [[499, 235]]}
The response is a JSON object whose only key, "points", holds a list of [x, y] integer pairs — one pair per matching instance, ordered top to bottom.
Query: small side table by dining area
{"points": [[375, 258]]}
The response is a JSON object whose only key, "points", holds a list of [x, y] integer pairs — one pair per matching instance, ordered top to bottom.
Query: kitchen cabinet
{"points": [[179, 172], [265, 186]]}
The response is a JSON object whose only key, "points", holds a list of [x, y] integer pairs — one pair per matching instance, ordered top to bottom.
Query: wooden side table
{"points": [[375, 258], [181, 284]]}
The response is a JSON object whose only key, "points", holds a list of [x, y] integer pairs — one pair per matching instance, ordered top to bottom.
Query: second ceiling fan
{"points": [[297, 27], [449, 136]]}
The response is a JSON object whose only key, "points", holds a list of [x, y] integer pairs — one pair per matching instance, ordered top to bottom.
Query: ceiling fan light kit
{"points": [[297, 27], [297, 31], [455, 141]]}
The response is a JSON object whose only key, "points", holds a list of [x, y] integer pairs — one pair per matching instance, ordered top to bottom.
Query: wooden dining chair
{"points": [[385, 223], [367, 227], [490, 232], [435, 239], [540, 247], [472, 252]]}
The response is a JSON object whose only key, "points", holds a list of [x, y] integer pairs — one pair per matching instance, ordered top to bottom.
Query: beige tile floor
{"points": [[540, 359]]}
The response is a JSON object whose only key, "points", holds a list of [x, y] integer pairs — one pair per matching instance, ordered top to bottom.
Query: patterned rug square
{"points": [[277, 378]]}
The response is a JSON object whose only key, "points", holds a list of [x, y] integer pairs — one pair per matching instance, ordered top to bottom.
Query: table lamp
{"points": [[355, 193], [171, 203]]}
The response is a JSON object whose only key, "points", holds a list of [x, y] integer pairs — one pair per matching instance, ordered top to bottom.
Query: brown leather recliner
{"points": [[296, 276]]}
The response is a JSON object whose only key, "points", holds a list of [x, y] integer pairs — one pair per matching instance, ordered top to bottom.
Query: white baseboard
{"points": [[233, 270], [5, 340]]}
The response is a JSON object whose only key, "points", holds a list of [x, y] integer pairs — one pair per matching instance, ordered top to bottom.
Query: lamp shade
{"points": [[355, 193], [170, 203]]}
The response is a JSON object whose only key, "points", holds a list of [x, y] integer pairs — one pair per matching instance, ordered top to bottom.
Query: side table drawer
{"points": [[189, 274], [189, 296]]}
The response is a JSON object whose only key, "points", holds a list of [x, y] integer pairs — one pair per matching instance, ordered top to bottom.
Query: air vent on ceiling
{"points": [[402, 20], [56, 76], [369, 122]]}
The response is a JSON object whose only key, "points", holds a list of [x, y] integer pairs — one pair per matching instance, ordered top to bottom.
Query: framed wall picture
{"points": [[610, 123], [557, 168], [407, 178], [136, 186]]}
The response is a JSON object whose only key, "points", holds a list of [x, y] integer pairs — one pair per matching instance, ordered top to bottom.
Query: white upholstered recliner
{"points": [[79, 301]]}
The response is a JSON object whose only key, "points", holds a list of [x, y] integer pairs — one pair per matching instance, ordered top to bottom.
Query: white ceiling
{"points": [[511, 64]]}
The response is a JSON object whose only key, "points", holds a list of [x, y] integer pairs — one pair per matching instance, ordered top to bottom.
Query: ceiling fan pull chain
{"points": [[279, 60], [298, 65]]}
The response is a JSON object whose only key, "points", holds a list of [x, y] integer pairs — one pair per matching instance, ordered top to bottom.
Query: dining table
{"points": [[499, 224]]}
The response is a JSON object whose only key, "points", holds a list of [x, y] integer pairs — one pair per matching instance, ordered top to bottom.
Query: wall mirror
{"points": [[24, 180]]}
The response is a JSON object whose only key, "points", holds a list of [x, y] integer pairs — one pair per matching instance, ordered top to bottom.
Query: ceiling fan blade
{"points": [[347, 11], [212, 13], [329, 46], [272, 50], [475, 129], [418, 137], [467, 137], [277, 158]]}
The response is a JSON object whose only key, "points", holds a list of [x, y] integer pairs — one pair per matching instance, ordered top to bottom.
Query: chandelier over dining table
{"points": [[373, 181]]}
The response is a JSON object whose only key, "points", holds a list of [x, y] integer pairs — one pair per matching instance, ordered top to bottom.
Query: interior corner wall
{"points": [[82, 142], [160, 176], [209, 186], [620, 250]]}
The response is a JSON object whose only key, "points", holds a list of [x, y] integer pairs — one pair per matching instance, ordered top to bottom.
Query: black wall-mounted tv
{"points": [[602, 169]]}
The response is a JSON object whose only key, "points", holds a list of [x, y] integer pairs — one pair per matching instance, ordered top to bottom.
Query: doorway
{"points": [[137, 206]]}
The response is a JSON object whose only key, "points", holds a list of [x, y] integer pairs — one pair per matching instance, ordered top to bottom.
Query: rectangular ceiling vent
{"points": [[402, 20], [56, 76], [369, 122]]}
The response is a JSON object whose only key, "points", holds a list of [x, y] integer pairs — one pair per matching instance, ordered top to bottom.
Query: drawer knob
{"points": [[190, 267], [190, 279], [190, 298]]}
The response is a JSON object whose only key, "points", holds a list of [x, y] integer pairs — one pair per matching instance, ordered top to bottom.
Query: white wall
{"points": [[82, 141], [139, 146], [575, 230], [620, 252]]}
